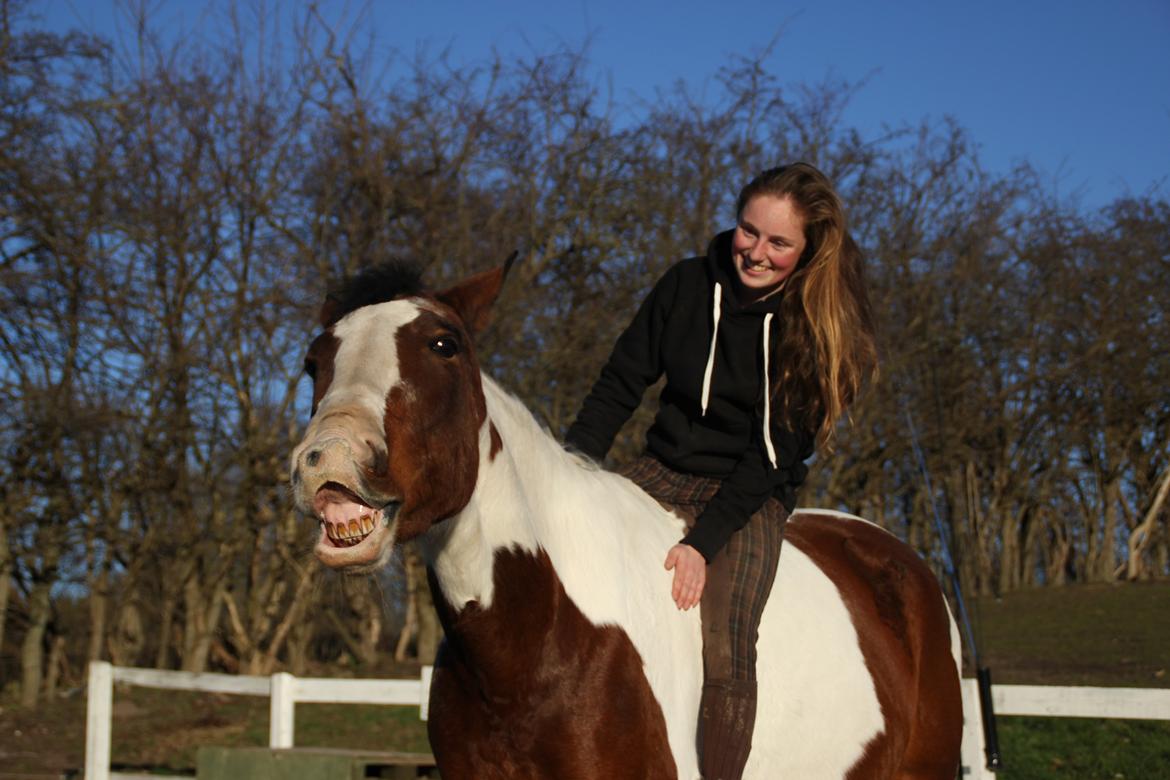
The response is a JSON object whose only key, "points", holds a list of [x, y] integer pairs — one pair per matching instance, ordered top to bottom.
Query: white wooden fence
{"points": [[286, 691]]}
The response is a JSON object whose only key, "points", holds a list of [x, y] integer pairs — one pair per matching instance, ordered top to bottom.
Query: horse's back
{"points": [[856, 634]]}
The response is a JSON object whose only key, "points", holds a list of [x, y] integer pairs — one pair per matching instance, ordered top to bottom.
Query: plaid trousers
{"points": [[739, 578]]}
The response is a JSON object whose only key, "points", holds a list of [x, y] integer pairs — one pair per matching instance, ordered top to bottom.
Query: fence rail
{"points": [[286, 691], [1052, 701]]}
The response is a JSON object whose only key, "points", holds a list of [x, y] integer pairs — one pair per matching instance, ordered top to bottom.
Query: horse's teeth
{"points": [[367, 524]]}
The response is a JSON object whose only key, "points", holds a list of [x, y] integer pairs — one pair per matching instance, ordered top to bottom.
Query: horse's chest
{"points": [[529, 687]]}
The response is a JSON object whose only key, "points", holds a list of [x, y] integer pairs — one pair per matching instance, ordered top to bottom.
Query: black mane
{"points": [[374, 284]]}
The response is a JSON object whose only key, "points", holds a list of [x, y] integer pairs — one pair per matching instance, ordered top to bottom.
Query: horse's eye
{"points": [[445, 346], [311, 368]]}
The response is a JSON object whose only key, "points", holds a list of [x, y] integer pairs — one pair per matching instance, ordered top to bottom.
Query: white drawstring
{"points": [[716, 307], [715, 311], [768, 393]]}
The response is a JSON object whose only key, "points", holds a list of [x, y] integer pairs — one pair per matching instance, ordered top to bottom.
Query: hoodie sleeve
{"points": [[634, 365], [748, 487], [740, 496]]}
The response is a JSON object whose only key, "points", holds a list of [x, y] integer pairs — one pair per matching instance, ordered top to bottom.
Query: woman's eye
{"points": [[445, 346]]}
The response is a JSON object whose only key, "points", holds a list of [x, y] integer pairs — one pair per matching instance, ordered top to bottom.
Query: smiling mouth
{"points": [[751, 265], [346, 519]]}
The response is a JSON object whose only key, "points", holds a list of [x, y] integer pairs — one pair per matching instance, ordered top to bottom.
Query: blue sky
{"points": [[1080, 89]]}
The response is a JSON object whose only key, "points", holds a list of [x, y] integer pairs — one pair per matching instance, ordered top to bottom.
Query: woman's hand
{"points": [[690, 574]]}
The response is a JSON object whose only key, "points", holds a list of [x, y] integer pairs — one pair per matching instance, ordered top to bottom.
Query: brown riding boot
{"points": [[727, 716]]}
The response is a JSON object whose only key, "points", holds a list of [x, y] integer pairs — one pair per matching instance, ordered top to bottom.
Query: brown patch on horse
{"points": [[319, 365], [439, 397], [497, 442], [897, 607], [530, 688]]}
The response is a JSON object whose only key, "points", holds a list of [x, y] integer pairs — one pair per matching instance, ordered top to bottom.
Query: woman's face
{"points": [[767, 243]]}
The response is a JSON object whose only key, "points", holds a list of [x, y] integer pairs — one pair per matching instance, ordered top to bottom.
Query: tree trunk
{"points": [[1141, 536], [1031, 557], [1107, 561], [411, 562], [5, 581], [99, 606], [369, 610], [202, 621], [430, 631], [128, 638], [299, 638], [32, 650], [162, 653], [57, 663]]}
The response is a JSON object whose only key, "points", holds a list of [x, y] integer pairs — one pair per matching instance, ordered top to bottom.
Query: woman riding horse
{"points": [[765, 342]]}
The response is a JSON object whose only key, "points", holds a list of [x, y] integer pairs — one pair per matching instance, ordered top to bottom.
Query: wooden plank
{"points": [[190, 681], [321, 690], [1081, 702], [424, 708], [98, 711], [281, 716], [973, 764]]}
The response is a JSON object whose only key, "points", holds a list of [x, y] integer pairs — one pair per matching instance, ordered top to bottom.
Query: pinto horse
{"points": [[564, 655]]}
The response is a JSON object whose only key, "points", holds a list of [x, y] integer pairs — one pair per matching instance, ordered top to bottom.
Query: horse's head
{"points": [[393, 444]]}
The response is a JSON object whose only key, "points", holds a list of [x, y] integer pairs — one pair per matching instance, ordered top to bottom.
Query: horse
{"points": [[564, 655]]}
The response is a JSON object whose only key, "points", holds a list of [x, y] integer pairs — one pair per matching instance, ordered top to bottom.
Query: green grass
{"points": [[359, 726], [1085, 749]]}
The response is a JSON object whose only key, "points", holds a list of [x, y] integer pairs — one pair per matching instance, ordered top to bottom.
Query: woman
{"points": [[764, 342]]}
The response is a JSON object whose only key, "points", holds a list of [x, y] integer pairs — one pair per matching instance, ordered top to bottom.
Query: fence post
{"points": [[424, 693], [281, 712], [98, 713], [973, 758]]}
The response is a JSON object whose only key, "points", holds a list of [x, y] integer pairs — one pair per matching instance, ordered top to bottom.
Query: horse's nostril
{"points": [[313, 457]]}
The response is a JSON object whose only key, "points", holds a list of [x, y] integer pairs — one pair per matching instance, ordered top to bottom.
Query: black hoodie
{"points": [[722, 435]]}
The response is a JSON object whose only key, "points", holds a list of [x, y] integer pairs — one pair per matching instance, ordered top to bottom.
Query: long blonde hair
{"points": [[827, 349]]}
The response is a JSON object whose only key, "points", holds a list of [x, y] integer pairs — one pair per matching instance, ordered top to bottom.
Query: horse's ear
{"points": [[473, 297], [327, 315]]}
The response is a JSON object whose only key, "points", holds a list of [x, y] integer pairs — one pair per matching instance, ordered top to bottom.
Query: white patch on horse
{"points": [[365, 367], [461, 550], [801, 688]]}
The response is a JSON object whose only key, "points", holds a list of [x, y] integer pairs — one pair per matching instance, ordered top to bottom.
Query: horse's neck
{"points": [[532, 496], [500, 514]]}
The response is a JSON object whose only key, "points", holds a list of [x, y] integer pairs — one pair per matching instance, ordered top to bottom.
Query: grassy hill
{"points": [[1077, 635]]}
